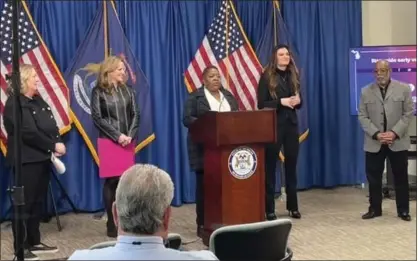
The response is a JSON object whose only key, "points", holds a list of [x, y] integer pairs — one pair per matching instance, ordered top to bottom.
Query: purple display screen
{"points": [[403, 60]]}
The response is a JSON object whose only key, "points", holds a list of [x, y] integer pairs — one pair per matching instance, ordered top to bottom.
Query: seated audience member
{"points": [[142, 212]]}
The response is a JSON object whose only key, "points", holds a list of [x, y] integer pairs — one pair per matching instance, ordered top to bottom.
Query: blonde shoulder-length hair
{"points": [[102, 70], [25, 71]]}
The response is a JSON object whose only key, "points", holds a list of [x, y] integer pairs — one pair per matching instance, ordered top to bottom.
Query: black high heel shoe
{"points": [[295, 214], [271, 216]]}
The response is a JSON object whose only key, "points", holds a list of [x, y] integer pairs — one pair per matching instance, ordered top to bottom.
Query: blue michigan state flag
{"points": [[105, 35]]}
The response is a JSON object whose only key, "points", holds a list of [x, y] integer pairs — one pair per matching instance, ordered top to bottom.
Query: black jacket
{"points": [[283, 90], [196, 106], [115, 113], [39, 130]]}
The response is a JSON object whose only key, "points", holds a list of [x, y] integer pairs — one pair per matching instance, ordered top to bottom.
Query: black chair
{"points": [[265, 241]]}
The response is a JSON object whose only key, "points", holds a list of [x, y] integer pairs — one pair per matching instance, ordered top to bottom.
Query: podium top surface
{"points": [[235, 128]]}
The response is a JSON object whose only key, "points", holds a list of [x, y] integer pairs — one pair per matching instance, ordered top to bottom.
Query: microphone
{"points": [[220, 104], [58, 164]]}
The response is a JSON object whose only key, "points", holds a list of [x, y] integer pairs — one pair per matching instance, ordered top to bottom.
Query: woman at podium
{"points": [[279, 88], [210, 97], [115, 113], [40, 138]]}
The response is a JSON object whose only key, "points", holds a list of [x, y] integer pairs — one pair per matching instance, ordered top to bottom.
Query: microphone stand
{"points": [[17, 192]]}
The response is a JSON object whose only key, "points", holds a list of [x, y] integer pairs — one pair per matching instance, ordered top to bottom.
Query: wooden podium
{"points": [[234, 145]]}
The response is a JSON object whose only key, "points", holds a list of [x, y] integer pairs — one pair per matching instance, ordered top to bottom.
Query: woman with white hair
{"points": [[40, 138]]}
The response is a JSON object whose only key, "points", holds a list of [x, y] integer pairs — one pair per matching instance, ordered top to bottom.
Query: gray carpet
{"points": [[331, 229]]}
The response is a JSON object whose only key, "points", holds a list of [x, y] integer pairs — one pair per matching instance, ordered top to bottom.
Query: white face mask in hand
{"points": [[58, 164]]}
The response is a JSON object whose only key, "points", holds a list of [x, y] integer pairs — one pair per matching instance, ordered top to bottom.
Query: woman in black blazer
{"points": [[279, 88], [210, 97], [116, 115], [40, 139]]}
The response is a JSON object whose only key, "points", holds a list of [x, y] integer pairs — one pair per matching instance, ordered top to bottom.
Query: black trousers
{"points": [[288, 137], [375, 164], [35, 180], [109, 194], [200, 205]]}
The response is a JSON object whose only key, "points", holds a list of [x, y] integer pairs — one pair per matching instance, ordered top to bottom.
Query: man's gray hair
{"points": [[143, 195]]}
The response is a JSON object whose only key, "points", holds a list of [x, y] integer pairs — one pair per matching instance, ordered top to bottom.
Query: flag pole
{"points": [[113, 5], [275, 23], [106, 30], [226, 43], [282, 172], [17, 192]]}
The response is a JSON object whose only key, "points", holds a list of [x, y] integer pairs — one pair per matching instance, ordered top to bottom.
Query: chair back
{"points": [[265, 240], [173, 241]]}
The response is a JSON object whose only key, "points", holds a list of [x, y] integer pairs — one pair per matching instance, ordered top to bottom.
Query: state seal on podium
{"points": [[242, 162]]}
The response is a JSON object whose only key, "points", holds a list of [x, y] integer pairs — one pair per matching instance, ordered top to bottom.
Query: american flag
{"points": [[226, 46], [33, 51]]}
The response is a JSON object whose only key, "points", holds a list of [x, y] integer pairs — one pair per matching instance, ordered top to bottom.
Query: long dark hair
{"points": [[271, 74]]}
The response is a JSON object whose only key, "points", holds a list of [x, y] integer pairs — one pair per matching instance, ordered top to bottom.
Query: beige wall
{"points": [[390, 23]]}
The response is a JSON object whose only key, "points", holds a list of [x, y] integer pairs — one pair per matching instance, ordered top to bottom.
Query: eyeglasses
{"points": [[381, 70]]}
